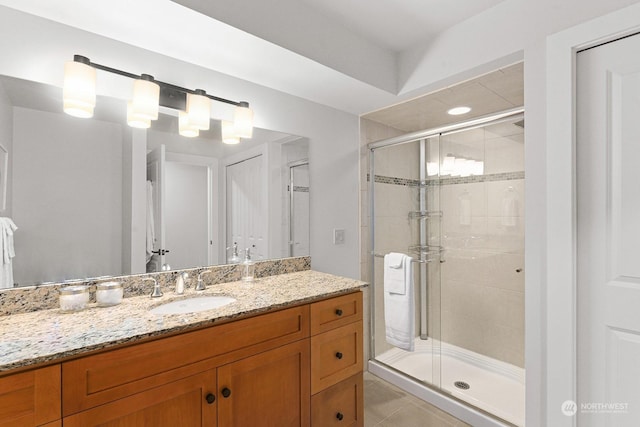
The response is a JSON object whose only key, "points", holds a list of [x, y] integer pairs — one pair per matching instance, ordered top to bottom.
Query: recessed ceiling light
{"points": [[458, 111]]}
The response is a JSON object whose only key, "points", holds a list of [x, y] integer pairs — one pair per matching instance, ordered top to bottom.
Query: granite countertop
{"points": [[38, 337]]}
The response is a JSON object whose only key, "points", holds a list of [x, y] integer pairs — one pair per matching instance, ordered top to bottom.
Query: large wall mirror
{"points": [[94, 197]]}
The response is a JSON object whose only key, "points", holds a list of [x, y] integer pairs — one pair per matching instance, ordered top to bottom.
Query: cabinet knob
{"points": [[338, 312], [339, 355], [226, 392], [210, 398], [339, 416]]}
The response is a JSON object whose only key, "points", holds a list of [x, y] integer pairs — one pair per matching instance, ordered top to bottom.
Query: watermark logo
{"points": [[569, 408]]}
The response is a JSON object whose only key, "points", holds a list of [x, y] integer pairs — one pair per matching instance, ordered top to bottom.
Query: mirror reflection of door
{"points": [[299, 208], [188, 210], [246, 211], [155, 242]]}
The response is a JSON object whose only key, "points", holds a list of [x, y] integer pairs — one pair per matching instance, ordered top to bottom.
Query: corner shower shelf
{"points": [[425, 214]]}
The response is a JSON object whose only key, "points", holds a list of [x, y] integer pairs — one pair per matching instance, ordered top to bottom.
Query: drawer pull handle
{"points": [[339, 312], [339, 355], [226, 392], [210, 398], [339, 416]]}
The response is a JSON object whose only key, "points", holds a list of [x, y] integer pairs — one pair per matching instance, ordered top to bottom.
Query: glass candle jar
{"points": [[109, 293], [74, 298]]}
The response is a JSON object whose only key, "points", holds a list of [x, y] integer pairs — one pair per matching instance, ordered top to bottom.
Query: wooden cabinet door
{"points": [[271, 389], [30, 398], [191, 402]]}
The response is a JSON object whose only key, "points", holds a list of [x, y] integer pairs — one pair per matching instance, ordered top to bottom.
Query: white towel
{"points": [[7, 227], [151, 236], [399, 308]]}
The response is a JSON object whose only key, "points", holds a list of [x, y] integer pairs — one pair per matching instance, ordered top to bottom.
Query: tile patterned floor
{"points": [[385, 405]]}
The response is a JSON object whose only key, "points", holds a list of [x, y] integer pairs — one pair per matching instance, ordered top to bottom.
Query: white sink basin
{"points": [[193, 305]]}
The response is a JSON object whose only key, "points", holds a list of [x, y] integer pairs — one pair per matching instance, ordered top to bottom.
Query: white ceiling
{"points": [[399, 24]]}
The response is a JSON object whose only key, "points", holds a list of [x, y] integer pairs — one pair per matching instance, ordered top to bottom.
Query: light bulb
{"points": [[79, 91], [146, 98], [199, 110], [135, 120], [243, 120], [184, 127], [228, 133], [447, 165], [478, 167], [432, 168]]}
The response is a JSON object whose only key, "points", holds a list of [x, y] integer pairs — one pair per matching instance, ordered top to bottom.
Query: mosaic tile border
{"points": [[505, 176], [44, 297]]}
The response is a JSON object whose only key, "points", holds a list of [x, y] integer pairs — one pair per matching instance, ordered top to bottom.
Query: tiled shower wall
{"points": [[482, 280], [481, 304]]}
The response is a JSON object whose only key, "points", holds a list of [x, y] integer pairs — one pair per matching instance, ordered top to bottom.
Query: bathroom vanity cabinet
{"points": [[300, 366], [31, 398]]}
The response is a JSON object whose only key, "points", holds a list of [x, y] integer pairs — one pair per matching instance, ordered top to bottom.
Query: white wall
{"points": [[67, 200]]}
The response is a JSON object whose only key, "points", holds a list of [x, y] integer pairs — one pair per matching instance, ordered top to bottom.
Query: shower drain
{"points": [[462, 385]]}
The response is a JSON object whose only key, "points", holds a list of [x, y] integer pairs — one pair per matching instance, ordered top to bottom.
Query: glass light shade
{"points": [[79, 91], [146, 98], [199, 111], [135, 120], [243, 122], [184, 126], [229, 133], [447, 165], [458, 167], [467, 167], [478, 167], [432, 168]]}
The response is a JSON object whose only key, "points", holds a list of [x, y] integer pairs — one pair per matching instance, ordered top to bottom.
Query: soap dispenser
{"points": [[235, 258], [248, 267]]}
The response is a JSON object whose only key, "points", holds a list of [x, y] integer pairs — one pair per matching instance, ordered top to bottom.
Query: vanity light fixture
{"points": [[194, 106], [457, 111]]}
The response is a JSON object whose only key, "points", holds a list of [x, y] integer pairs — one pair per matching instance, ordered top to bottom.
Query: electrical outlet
{"points": [[338, 236]]}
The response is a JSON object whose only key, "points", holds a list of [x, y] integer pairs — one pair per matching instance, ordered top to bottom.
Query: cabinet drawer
{"points": [[335, 312], [335, 356], [104, 377], [30, 398], [340, 405]]}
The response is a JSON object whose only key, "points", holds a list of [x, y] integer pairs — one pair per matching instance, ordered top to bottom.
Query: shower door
{"points": [[453, 201], [299, 209], [406, 219]]}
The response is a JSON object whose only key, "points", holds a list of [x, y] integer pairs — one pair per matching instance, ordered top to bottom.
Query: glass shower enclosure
{"points": [[452, 199]]}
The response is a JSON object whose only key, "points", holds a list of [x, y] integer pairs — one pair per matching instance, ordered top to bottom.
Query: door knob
{"points": [[338, 312], [339, 355], [226, 392], [210, 398], [339, 416]]}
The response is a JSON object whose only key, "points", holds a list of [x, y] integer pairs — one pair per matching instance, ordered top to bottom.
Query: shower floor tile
{"points": [[385, 405]]}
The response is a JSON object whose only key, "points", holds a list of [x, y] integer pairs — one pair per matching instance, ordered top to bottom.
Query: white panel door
{"points": [[155, 174], [246, 209], [187, 215], [608, 234]]}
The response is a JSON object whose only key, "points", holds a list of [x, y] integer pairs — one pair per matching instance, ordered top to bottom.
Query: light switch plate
{"points": [[338, 236]]}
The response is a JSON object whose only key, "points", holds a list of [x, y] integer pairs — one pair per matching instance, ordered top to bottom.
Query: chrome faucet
{"points": [[200, 286], [157, 292]]}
